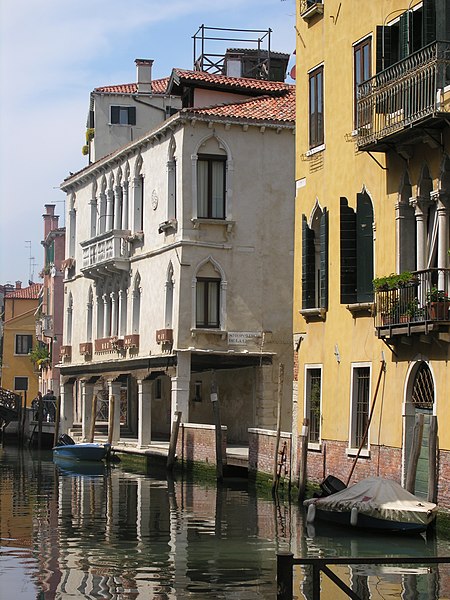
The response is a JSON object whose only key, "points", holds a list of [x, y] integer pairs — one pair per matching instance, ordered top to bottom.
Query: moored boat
{"points": [[66, 447], [374, 503]]}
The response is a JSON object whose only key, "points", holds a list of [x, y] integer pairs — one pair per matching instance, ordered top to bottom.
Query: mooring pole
{"points": [[93, 417], [111, 418], [57, 420], [218, 428], [173, 441], [432, 459], [303, 460], [275, 479], [285, 575]]}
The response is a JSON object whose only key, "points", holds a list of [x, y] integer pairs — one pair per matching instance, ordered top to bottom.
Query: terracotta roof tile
{"points": [[241, 83], [159, 86], [264, 108], [29, 293]]}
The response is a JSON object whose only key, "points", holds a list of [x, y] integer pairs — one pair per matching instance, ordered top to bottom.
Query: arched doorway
{"points": [[420, 400]]}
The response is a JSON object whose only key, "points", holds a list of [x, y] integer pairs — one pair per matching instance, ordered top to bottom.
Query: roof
{"points": [[243, 84], [159, 86], [264, 108], [29, 293]]}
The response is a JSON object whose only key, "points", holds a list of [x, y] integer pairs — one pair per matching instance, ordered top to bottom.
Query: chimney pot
{"points": [[144, 75], [18, 285]]}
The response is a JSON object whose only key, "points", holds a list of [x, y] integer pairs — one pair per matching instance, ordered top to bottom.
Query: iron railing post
{"points": [[285, 575]]}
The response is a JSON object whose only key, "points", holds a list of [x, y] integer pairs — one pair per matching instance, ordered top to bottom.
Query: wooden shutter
{"points": [[429, 22], [404, 24], [384, 48], [114, 114], [131, 115], [364, 248], [348, 253], [308, 260], [324, 260]]}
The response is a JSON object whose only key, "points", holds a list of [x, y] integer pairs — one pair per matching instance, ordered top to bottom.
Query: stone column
{"points": [[442, 202], [125, 205], [421, 205], [117, 207], [93, 210], [109, 210], [136, 212], [102, 214], [122, 313], [114, 315], [106, 316], [180, 386], [114, 390], [87, 394], [66, 407], [144, 412]]}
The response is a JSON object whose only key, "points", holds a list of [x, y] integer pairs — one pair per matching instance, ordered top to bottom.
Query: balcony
{"points": [[309, 8], [397, 104], [106, 254], [419, 307], [164, 336], [131, 342], [86, 348]]}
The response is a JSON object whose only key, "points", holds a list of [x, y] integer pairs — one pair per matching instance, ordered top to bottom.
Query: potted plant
{"points": [[394, 281], [438, 304], [411, 311]]}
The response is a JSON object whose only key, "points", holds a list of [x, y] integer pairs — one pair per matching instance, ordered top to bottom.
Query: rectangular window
{"points": [[362, 72], [123, 115], [316, 130], [211, 187], [208, 300], [24, 344], [21, 384], [158, 388], [313, 403], [359, 406]]}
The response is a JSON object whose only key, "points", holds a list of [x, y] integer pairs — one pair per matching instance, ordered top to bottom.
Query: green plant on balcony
{"points": [[90, 131], [85, 150], [394, 281], [438, 304], [39, 355]]}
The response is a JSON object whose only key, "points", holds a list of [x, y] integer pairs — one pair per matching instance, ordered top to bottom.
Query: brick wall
{"points": [[197, 443], [261, 451]]}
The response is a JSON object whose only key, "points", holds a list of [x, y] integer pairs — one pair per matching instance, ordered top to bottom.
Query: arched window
{"points": [[211, 179], [172, 182], [137, 202], [72, 227], [406, 229], [315, 259], [210, 288], [136, 309], [168, 313], [89, 316], [69, 317]]}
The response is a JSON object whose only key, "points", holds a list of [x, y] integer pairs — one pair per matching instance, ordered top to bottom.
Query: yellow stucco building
{"points": [[372, 203], [18, 372]]}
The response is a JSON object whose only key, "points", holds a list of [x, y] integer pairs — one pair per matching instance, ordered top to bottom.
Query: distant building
{"points": [[49, 325], [19, 374]]}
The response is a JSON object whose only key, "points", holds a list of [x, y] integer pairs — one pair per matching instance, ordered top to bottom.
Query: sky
{"points": [[52, 55]]}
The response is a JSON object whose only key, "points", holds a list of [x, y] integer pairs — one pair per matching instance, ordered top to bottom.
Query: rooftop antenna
{"points": [[30, 260]]}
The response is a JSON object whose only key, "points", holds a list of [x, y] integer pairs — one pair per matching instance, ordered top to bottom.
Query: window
{"points": [[362, 72], [123, 115], [316, 133], [211, 187], [357, 250], [315, 261], [207, 302], [24, 344], [20, 384], [158, 388], [313, 403], [359, 406]]}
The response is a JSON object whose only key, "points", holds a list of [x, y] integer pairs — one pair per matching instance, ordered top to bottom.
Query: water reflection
{"points": [[71, 530]]}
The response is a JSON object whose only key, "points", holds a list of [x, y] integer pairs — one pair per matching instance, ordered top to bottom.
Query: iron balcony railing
{"points": [[310, 7], [404, 94], [423, 301]]}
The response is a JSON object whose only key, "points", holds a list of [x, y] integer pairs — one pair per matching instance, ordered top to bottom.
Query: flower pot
{"points": [[438, 311]]}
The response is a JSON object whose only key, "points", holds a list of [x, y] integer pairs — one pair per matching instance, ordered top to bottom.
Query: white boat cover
{"points": [[379, 498]]}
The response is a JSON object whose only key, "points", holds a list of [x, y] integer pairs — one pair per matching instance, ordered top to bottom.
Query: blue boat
{"points": [[67, 448]]}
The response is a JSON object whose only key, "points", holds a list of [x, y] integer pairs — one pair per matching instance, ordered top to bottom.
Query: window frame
{"points": [[362, 76], [121, 109], [316, 127], [210, 159], [206, 323], [21, 336], [24, 378], [356, 429], [315, 443]]}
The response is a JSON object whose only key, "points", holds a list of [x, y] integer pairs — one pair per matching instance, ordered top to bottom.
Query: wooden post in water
{"points": [[112, 407], [40, 417], [93, 417], [57, 419], [218, 428], [277, 440], [173, 441], [414, 454], [303, 460], [432, 460], [285, 575]]}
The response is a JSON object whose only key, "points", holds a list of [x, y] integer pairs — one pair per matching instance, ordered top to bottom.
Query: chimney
{"points": [[144, 75], [50, 219], [18, 285]]}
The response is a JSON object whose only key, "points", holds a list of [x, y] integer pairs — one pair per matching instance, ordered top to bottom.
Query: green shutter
{"points": [[429, 22], [404, 47], [114, 114], [131, 115], [364, 248], [348, 253], [308, 259], [324, 260]]}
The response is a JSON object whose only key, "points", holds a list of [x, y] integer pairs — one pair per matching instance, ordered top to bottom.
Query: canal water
{"points": [[90, 531]]}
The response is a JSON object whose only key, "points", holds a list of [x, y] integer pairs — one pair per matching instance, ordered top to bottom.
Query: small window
{"points": [[363, 72], [123, 115], [316, 129], [211, 187], [208, 302], [24, 344], [20, 384], [197, 391], [313, 403], [360, 407]]}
